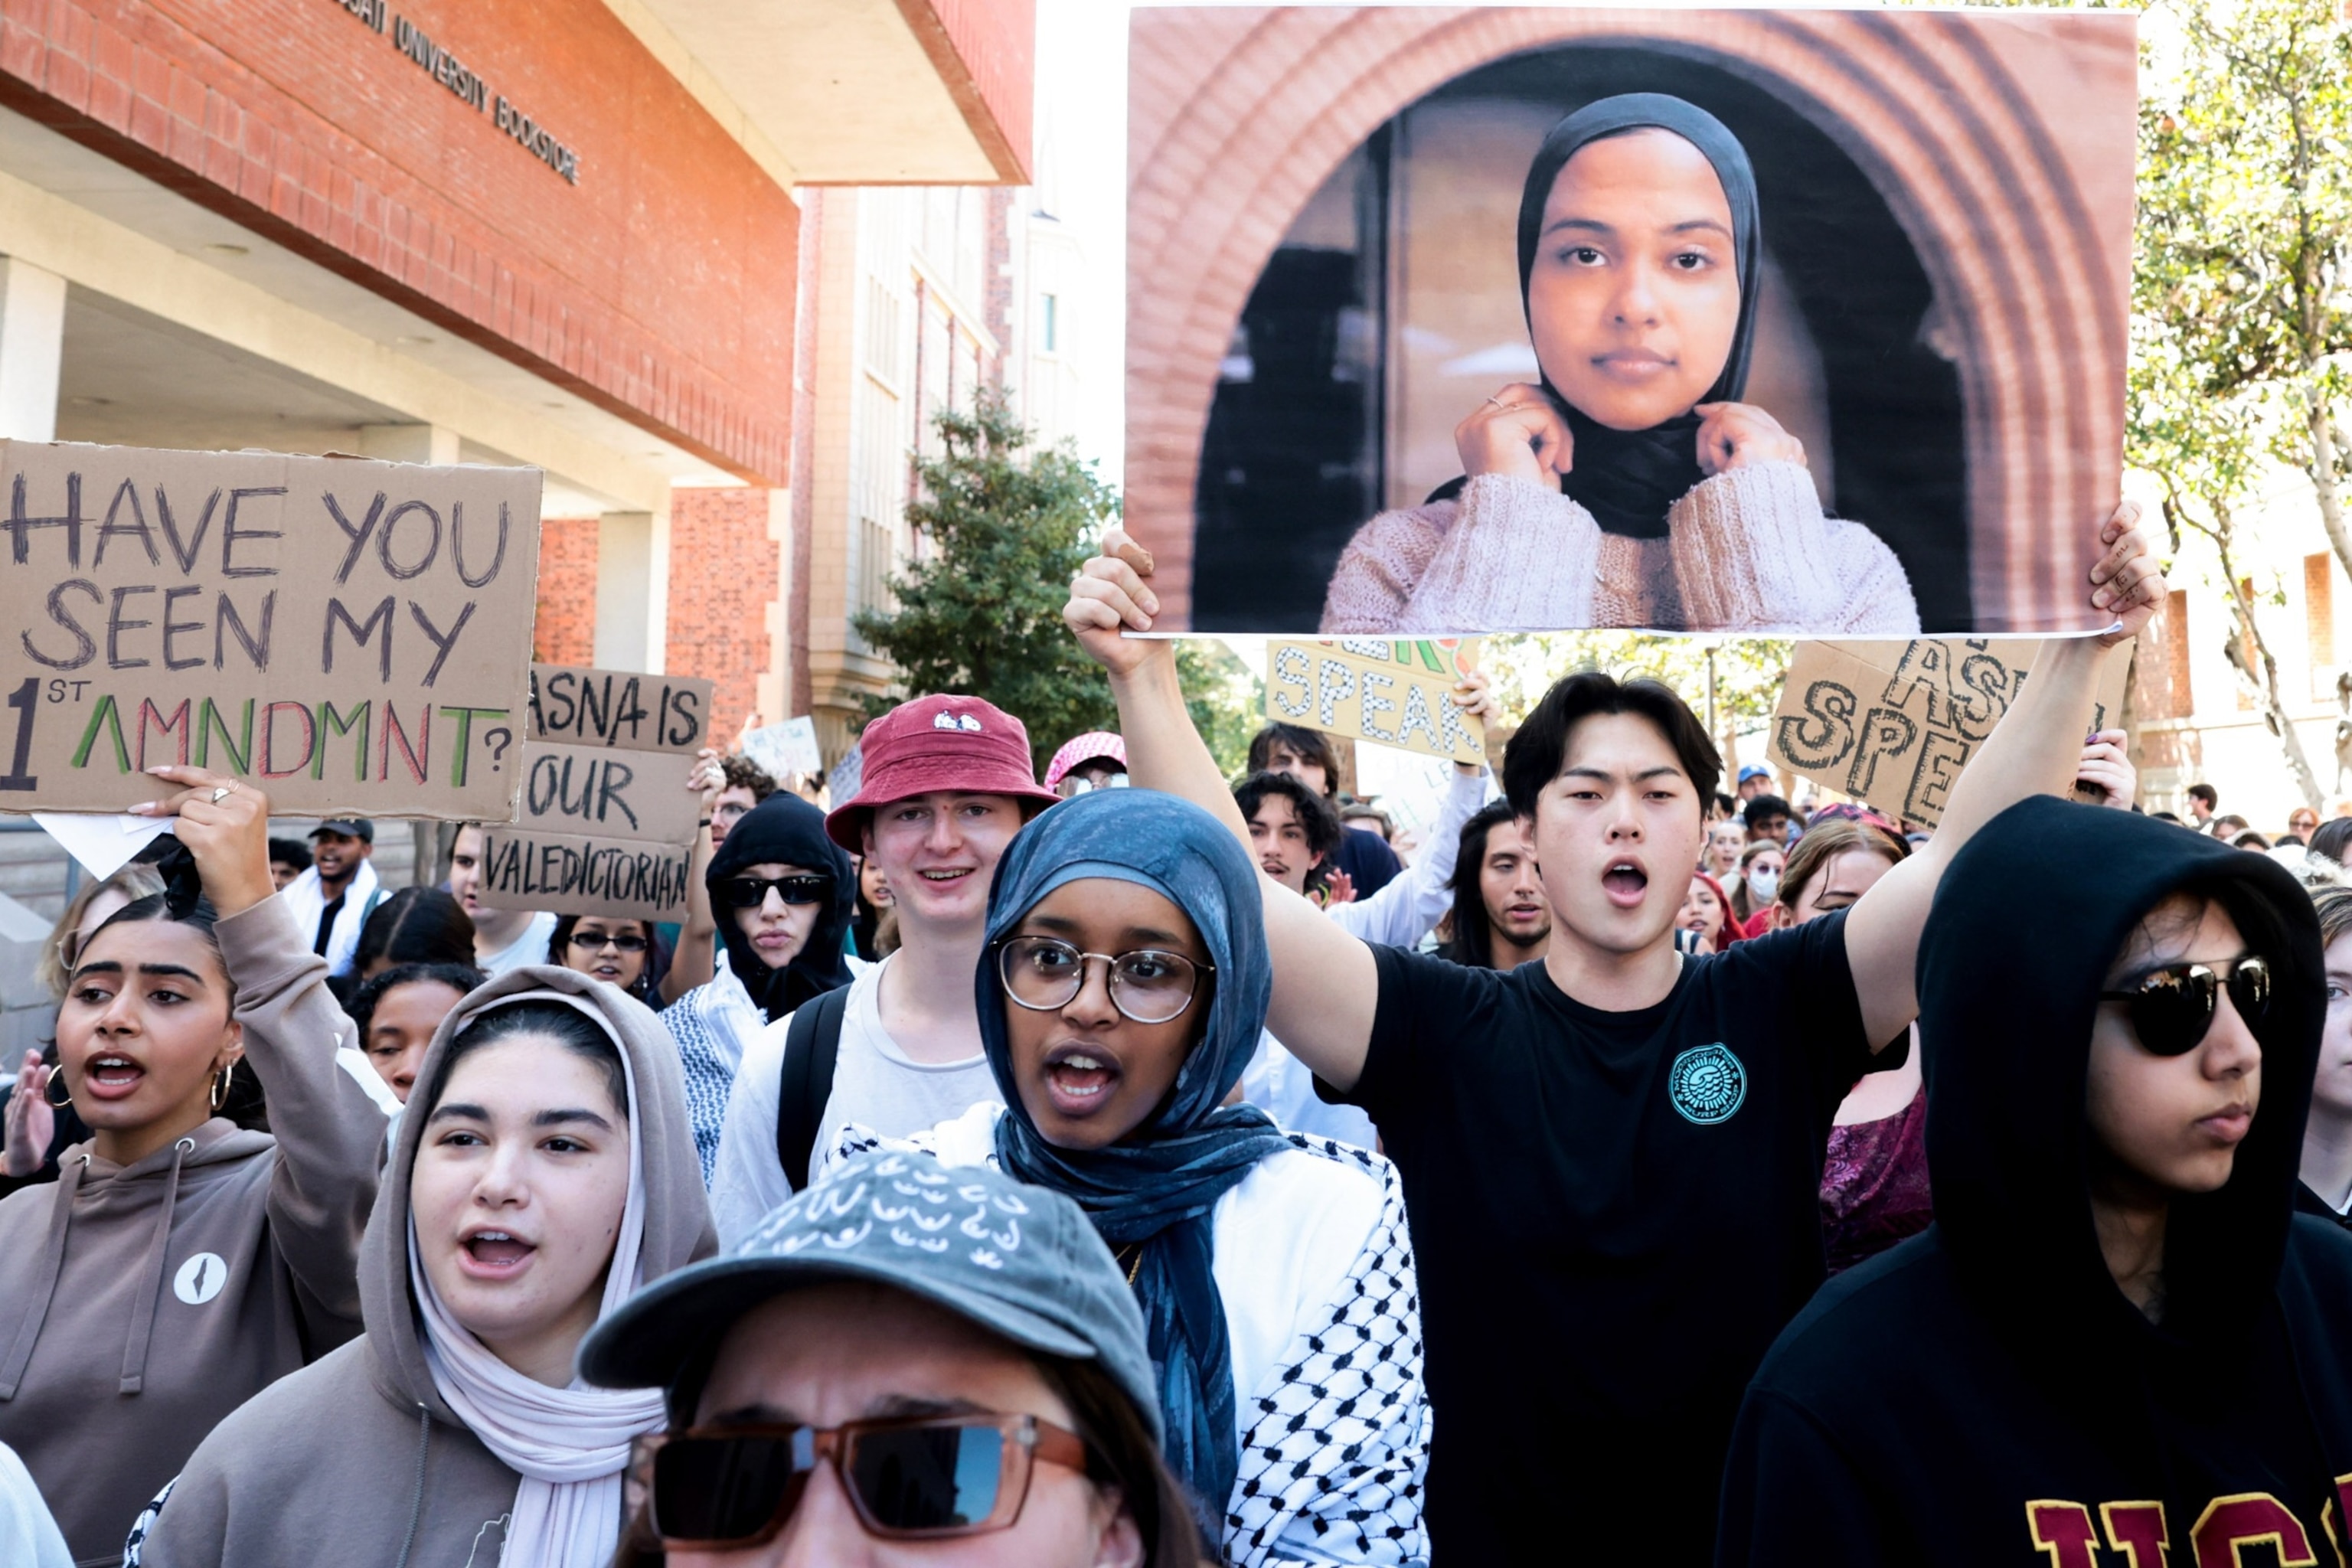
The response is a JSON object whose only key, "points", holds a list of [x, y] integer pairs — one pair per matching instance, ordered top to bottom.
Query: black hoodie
{"points": [[785, 830], [1984, 1394]]}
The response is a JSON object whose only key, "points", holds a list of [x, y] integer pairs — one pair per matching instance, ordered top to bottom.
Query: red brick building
{"points": [[565, 234]]}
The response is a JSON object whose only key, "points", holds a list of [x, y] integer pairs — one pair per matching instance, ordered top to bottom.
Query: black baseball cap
{"points": [[358, 828]]}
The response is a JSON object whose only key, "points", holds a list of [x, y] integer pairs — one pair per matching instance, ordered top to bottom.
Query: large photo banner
{"points": [[1452, 320], [352, 635]]}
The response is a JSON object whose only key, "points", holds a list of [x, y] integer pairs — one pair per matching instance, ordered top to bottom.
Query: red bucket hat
{"points": [[946, 742]]}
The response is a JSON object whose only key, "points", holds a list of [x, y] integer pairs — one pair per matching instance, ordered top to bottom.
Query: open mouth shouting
{"points": [[1626, 881], [111, 1075], [1078, 1078], [488, 1253]]}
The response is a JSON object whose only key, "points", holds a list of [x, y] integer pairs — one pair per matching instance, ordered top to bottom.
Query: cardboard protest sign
{"points": [[1356, 407], [353, 637], [1397, 693], [1893, 724], [785, 748], [607, 822]]}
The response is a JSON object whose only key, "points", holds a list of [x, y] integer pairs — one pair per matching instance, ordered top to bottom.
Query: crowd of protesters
{"points": [[1128, 1164]]}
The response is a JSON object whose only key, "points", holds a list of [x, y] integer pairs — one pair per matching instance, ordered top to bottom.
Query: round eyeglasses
{"points": [[1149, 986]]}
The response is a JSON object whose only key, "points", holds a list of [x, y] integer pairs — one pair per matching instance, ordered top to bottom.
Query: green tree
{"points": [[2242, 296], [1005, 527], [1732, 683], [1226, 697]]}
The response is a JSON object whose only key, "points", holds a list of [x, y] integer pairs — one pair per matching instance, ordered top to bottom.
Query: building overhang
{"points": [[858, 92]]}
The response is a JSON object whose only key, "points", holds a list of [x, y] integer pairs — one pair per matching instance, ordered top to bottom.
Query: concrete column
{"points": [[32, 344], [409, 443], [632, 590]]}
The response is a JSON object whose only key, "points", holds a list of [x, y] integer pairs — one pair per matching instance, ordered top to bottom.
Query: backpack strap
{"points": [[811, 1047]]}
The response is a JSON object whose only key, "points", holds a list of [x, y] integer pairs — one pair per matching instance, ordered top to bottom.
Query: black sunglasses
{"points": [[750, 892], [626, 941], [2172, 1008], [929, 1478]]}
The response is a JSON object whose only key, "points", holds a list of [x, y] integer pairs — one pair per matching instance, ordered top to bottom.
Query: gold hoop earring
{"points": [[57, 1077], [220, 1087]]}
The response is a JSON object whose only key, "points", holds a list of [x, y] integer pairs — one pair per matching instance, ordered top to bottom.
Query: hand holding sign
{"points": [[1107, 597], [225, 824]]}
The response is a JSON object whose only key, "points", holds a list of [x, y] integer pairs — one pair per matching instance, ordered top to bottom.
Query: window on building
{"points": [[1049, 323], [2319, 622], [2171, 635]]}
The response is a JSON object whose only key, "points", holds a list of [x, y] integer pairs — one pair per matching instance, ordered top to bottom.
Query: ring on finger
{"points": [[1498, 402], [222, 793]]}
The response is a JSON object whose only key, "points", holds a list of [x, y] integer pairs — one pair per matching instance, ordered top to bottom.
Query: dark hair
{"points": [[1311, 746], [1540, 750], [743, 772], [2206, 793], [1727, 805], [1762, 807], [2162, 816], [1316, 817], [2333, 838], [2250, 840], [2287, 841], [289, 852], [202, 920], [415, 925], [1474, 936], [657, 950], [459, 977], [567, 1025], [1120, 1453]]}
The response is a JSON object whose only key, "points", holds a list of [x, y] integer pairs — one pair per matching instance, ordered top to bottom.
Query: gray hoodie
{"points": [[141, 1304], [356, 1461]]}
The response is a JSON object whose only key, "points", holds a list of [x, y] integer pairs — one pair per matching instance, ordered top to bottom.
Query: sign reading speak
{"points": [[352, 635], [1398, 693], [1893, 722], [608, 823]]}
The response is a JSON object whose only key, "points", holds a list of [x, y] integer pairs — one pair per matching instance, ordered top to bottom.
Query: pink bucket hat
{"points": [[946, 742], [1083, 748]]}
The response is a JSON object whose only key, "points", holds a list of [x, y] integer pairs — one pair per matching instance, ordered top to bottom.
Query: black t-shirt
{"points": [[1613, 1213]]}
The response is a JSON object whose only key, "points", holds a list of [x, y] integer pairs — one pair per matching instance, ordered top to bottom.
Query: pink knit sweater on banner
{"points": [[1746, 551]]}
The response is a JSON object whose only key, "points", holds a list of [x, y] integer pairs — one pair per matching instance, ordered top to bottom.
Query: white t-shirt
{"points": [[530, 947], [874, 1085]]}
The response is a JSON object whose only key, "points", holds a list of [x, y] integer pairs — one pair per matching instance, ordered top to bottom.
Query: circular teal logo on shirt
{"points": [[1707, 1084]]}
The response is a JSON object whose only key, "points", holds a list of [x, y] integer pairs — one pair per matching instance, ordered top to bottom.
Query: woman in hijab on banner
{"points": [[1630, 487], [784, 895], [1122, 989], [542, 1174]]}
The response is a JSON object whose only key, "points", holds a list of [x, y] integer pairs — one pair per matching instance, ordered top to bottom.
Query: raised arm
{"points": [[2035, 749], [696, 958], [1325, 985], [330, 1136]]}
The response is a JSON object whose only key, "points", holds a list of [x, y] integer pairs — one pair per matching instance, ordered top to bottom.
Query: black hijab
{"points": [[1627, 478], [784, 829]]}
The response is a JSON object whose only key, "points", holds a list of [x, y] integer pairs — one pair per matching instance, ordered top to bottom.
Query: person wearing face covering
{"points": [[1629, 487], [778, 950], [1121, 992], [543, 1171], [2118, 1343]]}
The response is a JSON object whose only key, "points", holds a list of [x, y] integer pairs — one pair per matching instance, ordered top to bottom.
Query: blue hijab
{"points": [[1154, 1189]]}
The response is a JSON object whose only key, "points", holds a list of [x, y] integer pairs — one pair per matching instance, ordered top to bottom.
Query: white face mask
{"points": [[1765, 883]]}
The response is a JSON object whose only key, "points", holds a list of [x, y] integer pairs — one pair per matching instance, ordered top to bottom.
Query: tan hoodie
{"points": [[139, 1304], [356, 1461]]}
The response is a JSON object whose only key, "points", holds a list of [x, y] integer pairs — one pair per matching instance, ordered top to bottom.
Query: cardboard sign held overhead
{"points": [[353, 637], [1398, 693], [1893, 724], [786, 749], [607, 822]]}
